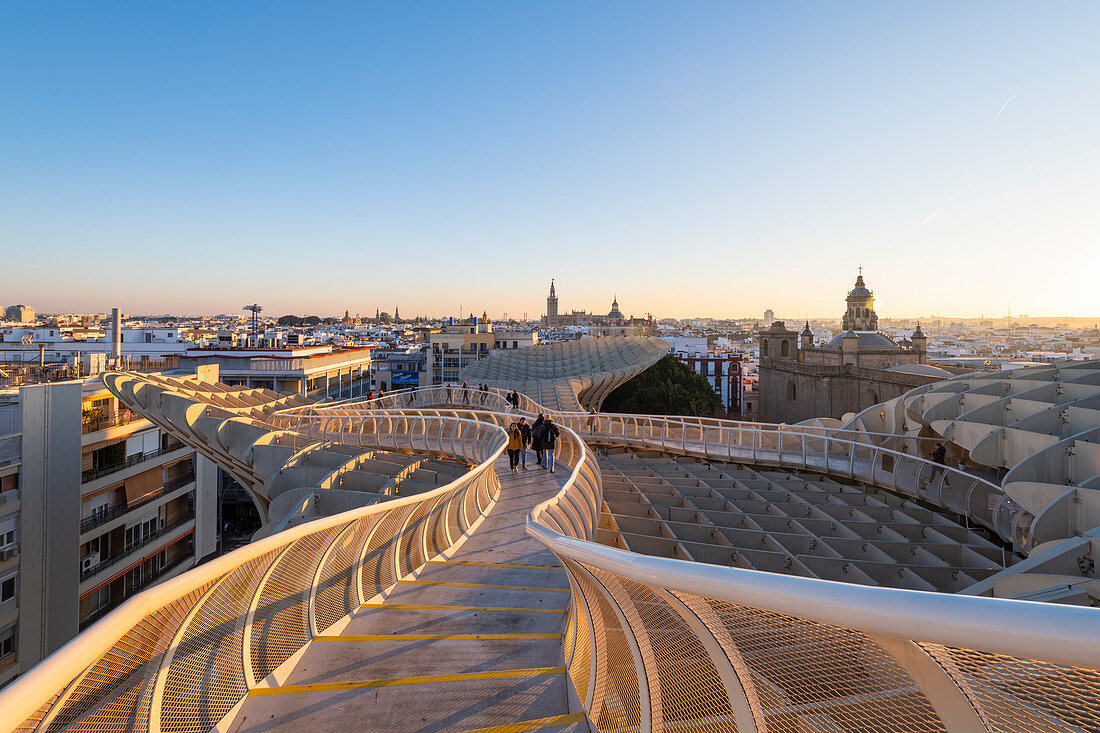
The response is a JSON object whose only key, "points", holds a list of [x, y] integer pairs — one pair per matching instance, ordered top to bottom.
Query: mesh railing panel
{"points": [[379, 571], [335, 595], [280, 624], [580, 666], [206, 676], [810, 676], [686, 691], [1023, 695], [108, 696], [615, 699]]}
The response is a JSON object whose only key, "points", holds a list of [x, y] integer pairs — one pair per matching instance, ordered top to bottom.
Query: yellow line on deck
{"points": [[494, 565], [482, 585], [406, 607], [436, 637], [396, 681], [537, 724]]}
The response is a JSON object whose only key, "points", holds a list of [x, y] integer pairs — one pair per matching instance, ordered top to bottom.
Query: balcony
{"points": [[92, 423], [94, 473], [94, 520], [125, 555]]}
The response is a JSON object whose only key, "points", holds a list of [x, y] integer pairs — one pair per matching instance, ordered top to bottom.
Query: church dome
{"points": [[860, 290], [615, 312], [867, 340]]}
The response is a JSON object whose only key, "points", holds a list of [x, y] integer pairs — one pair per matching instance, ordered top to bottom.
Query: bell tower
{"points": [[552, 305], [860, 315]]}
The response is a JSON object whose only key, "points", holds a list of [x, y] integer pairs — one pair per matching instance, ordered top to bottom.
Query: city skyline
{"points": [[692, 159]]}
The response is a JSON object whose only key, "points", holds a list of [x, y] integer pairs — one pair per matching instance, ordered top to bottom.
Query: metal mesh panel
{"points": [[437, 528], [411, 552], [379, 571], [335, 594], [280, 624], [570, 632], [580, 666], [206, 676], [809, 676], [685, 688], [113, 694], [1023, 695], [615, 701]]}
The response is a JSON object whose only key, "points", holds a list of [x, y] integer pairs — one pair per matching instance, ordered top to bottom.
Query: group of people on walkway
{"points": [[542, 437]]}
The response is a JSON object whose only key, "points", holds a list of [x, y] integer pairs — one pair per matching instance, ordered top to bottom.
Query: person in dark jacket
{"points": [[525, 431], [536, 438], [549, 442]]}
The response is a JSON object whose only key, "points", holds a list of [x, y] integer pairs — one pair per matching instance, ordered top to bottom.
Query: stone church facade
{"points": [[853, 371]]}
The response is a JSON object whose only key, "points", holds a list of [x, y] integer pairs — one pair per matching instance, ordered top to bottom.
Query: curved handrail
{"points": [[982, 501], [48, 686]]}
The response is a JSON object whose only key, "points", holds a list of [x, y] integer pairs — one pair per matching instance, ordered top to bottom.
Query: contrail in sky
{"points": [[1007, 102], [945, 203]]}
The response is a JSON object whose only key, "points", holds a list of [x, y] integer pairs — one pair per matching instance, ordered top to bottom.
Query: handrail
{"points": [[953, 489], [60, 675]]}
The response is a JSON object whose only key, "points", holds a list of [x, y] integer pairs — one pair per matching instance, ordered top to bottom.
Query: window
{"points": [[763, 348], [784, 348], [792, 391], [7, 540], [7, 589], [99, 599], [7, 642]]}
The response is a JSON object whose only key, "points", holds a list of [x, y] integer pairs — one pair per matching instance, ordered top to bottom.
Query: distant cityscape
{"points": [[141, 507]]}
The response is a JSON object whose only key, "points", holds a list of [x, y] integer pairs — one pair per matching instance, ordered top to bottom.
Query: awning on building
{"points": [[144, 484]]}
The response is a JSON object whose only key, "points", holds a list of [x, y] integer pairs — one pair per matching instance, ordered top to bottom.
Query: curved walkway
{"points": [[473, 640]]}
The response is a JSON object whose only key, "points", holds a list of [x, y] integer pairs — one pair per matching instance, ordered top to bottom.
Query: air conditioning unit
{"points": [[88, 562]]}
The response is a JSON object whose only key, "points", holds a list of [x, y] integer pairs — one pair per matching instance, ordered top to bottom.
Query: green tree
{"points": [[385, 317], [289, 320], [311, 320], [666, 388]]}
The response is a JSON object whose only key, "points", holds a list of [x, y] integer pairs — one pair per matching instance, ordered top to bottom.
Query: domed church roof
{"points": [[860, 290], [615, 312], [867, 340]]}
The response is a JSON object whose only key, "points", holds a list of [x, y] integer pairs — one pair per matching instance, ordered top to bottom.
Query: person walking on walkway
{"points": [[448, 392], [465, 393], [592, 420], [525, 431], [536, 438], [549, 441], [515, 445], [939, 456]]}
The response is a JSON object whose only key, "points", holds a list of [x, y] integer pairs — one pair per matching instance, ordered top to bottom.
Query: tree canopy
{"points": [[290, 320], [666, 388]]}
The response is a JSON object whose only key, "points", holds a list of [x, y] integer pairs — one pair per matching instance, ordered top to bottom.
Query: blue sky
{"points": [[693, 158]]}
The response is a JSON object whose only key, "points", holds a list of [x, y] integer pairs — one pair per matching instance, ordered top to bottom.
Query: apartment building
{"points": [[457, 345], [314, 371], [95, 505]]}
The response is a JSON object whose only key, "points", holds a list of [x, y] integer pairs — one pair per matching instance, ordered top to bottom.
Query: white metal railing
{"points": [[807, 448], [244, 617], [650, 643], [661, 644]]}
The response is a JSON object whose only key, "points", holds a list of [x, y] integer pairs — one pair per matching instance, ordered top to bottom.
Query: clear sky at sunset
{"points": [[693, 158]]}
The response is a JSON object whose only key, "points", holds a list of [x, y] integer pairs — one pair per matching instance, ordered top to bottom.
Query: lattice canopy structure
{"points": [[569, 375], [1037, 431], [290, 477], [358, 620]]}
